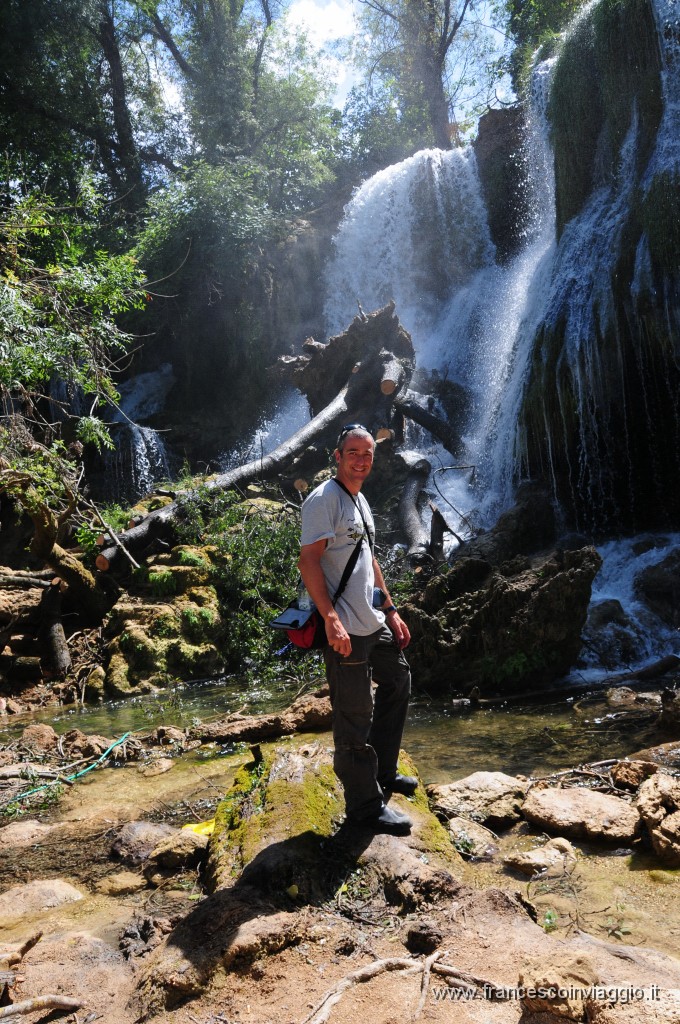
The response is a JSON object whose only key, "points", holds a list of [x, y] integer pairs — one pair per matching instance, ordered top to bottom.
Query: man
{"points": [[364, 643]]}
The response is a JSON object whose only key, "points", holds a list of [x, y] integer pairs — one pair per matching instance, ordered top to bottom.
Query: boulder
{"points": [[504, 623], [610, 637], [39, 737], [631, 774], [491, 798], [658, 804], [582, 814], [23, 833], [137, 839], [471, 839], [179, 850], [557, 857], [122, 883], [26, 901], [558, 984]]}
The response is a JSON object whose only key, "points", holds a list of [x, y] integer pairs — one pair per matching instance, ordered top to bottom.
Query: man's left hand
{"points": [[400, 630]]}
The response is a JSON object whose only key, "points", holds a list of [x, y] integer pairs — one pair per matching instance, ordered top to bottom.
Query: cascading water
{"points": [[418, 233], [477, 322], [140, 457]]}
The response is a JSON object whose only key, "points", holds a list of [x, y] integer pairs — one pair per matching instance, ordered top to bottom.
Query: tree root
{"points": [[455, 979], [51, 1002]]}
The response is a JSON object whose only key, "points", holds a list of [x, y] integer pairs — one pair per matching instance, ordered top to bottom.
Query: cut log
{"points": [[323, 370], [393, 376], [410, 404], [409, 515], [57, 657]]}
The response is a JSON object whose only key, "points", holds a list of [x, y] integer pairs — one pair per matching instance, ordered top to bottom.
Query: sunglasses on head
{"points": [[348, 428]]}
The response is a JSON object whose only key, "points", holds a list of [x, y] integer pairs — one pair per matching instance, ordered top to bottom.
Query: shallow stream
{"points": [[446, 743]]}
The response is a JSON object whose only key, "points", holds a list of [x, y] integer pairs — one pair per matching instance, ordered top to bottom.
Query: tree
{"points": [[435, 55], [76, 88], [58, 301]]}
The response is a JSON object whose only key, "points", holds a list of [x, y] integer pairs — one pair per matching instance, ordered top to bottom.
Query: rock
{"points": [[499, 139], [658, 586], [505, 626], [610, 636], [95, 684], [669, 719], [167, 735], [39, 737], [79, 745], [665, 754], [157, 766], [631, 774], [491, 798], [658, 804], [582, 814], [23, 833], [137, 839], [471, 839], [184, 848], [556, 857], [123, 883], [25, 901], [423, 937], [557, 984]]}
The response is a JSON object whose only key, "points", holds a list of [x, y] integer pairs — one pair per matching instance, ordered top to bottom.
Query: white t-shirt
{"points": [[329, 513]]}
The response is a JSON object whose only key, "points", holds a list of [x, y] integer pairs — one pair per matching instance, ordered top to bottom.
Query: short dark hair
{"points": [[352, 428]]}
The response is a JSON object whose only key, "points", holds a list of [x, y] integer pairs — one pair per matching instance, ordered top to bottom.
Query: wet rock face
{"points": [[497, 147], [659, 587], [504, 628]]}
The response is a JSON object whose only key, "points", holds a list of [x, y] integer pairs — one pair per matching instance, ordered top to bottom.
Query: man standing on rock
{"points": [[365, 643]]}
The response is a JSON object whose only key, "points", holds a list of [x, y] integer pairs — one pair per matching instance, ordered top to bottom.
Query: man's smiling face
{"points": [[355, 459]]}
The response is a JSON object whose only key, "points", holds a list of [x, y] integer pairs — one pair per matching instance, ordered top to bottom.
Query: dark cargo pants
{"points": [[367, 729]]}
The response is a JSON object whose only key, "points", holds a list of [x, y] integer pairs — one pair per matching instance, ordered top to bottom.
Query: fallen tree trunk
{"points": [[356, 401], [409, 403], [409, 516], [159, 524], [308, 714]]}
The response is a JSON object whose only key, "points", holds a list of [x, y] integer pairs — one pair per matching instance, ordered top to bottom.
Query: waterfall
{"points": [[418, 233], [140, 457]]}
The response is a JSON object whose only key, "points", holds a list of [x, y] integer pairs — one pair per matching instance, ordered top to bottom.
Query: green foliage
{"points": [[535, 25], [437, 61], [58, 303], [255, 573], [162, 583], [550, 920]]}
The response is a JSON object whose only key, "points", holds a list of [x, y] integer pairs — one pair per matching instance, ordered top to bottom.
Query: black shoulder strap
{"points": [[353, 558]]}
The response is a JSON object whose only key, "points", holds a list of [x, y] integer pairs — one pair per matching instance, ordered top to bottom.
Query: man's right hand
{"points": [[337, 635]]}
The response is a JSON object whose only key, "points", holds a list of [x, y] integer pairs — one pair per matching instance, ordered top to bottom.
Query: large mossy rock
{"points": [[173, 630], [271, 826], [279, 853]]}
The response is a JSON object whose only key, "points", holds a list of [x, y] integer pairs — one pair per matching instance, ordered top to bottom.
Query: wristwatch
{"points": [[390, 608]]}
